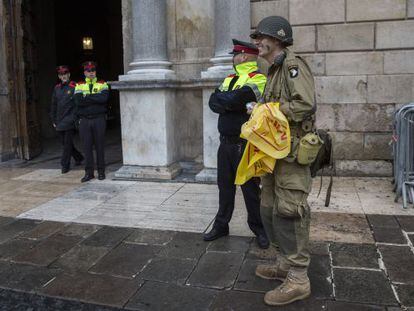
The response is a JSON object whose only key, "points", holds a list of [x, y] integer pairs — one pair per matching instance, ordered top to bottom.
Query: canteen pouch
{"points": [[308, 149]]}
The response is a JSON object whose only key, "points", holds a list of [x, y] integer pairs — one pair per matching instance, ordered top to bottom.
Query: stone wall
{"points": [[361, 54]]}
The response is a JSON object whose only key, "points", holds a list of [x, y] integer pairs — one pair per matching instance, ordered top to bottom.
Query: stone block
{"points": [[410, 9], [260, 10], [367, 10], [316, 11], [394, 35], [345, 37], [304, 38], [396, 62], [316, 63], [354, 63], [341, 89], [391, 89], [325, 117], [364, 117], [348, 145], [376, 146], [363, 168], [389, 235], [354, 255], [399, 262], [363, 286]]}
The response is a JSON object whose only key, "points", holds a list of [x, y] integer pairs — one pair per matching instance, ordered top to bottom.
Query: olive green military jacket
{"points": [[291, 83]]}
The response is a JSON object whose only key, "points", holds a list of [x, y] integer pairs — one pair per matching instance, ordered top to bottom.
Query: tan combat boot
{"points": [[277, 271], [295, 287]]}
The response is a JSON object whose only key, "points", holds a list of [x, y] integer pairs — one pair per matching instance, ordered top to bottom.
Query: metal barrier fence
{"points": [[403, 151]]}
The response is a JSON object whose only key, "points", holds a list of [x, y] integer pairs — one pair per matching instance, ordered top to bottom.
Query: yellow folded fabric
{"points": [[268, 138]]}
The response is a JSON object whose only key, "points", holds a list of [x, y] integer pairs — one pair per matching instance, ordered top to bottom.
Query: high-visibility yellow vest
{"points": [[248, 75], [86, 89], [268, 138]]}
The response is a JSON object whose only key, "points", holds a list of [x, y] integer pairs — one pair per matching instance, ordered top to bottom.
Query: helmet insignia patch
{"points": [[281, 33], [293, 71]]}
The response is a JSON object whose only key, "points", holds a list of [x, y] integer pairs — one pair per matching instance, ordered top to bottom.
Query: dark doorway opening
{"points": [[58, 30]]}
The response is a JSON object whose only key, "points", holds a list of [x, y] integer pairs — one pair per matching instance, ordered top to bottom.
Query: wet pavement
{"points": [[137, 245]]}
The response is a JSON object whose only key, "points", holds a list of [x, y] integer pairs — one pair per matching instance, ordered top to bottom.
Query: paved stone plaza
{"points": [[112, 244]]}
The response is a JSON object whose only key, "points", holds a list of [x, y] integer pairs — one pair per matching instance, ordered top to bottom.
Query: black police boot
{"points": [[65, 170], [101, 176], [87, 177], [215, 233], [262, 241]]}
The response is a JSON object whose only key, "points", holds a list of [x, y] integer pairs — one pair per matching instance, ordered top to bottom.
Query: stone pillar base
{"points": [[148, 172], [207, 175]]}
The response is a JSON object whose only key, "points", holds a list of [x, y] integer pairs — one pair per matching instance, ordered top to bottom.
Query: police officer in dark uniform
{"points": [[91, 97], [229, 101], [62, 116]]}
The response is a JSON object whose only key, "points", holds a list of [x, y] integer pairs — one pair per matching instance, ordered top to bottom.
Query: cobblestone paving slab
{"points": [[5, 220], [383, 221], [406, 223], [15, 228], [43, 230], [84, 231], [389, 235], [107, 236], [153, 237], [411, 238], [230, 244], [185, 245], [12, 248], [48, 250], [354, 255], [80, 258], [126, 260], [399, 262], [169, 270], [216, 270], [25, 277], [320, 277], [248, 281], [355, 285], [100, 289], [406, 294], [154, 296], [19, 301], [247, 301], [344, 306]]}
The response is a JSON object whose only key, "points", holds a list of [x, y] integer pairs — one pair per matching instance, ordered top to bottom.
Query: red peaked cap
{"points": [[244, 47], [89, 65], [62, 69]]}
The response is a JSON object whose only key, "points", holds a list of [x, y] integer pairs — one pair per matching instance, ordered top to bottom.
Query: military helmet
{"points": [[276, 27]]}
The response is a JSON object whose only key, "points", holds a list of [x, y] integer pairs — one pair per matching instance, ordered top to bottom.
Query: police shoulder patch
{"points": [[293, 71]]}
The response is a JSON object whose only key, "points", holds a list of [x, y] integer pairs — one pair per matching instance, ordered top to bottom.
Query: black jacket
{"points": [[91, 105], [231, 105], [63, 107]]}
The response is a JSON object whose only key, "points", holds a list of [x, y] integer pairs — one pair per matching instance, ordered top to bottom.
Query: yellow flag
{"points": [[268, 138]]}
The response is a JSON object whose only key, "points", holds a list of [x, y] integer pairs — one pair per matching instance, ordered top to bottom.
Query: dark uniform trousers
{"points": [[92, 133], [69, 149], [228, 157]]}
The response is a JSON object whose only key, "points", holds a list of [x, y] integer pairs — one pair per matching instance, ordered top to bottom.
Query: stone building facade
{"points": [[175, 54]]}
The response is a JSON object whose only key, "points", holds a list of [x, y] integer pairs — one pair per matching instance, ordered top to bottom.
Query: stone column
{"points": [[231, 20], [149, 33], [147, 98]]}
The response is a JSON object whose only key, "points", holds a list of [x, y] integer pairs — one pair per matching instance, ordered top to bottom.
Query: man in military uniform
{"points": [[91, 97], [229, 101], [62, 116], [284, 208]]}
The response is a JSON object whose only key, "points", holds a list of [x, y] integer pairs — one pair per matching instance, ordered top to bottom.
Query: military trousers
{"points": [[92, 133], [69, 149], [228, 158], [285, 211]]}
